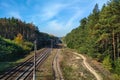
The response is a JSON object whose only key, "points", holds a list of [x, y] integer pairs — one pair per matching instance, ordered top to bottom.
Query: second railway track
{"points": [[24, 70]]}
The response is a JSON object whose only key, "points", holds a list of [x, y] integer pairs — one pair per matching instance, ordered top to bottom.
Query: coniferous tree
{"points": [[98, 35]]}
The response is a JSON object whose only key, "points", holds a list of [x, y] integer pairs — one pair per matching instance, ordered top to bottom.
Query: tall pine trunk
{"points": [[113, 43]]}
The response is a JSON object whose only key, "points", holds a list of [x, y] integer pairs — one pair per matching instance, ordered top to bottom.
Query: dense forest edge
{"points": [[98, 36], [17, 38]]}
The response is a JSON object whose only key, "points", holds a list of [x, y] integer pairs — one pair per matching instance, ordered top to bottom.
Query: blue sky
{"points": [[57, 17]]}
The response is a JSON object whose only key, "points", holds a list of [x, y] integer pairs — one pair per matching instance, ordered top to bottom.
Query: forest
{"points": [[98, 36], [17, 37]]}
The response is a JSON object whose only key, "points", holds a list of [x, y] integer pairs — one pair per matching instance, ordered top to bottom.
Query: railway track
{"points": [[56, 67], [24, 70]]}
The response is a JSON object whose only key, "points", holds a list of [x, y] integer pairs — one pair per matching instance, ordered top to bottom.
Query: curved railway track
{"points": [[56, 67], [24, 70]]}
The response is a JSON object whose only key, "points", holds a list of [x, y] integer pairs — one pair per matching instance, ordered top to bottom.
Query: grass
{"points": [[73, 68], [67, 71], [45, 72], [106, 75]]}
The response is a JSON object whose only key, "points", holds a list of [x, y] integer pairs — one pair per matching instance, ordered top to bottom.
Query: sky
{"points": [[56, 17]]}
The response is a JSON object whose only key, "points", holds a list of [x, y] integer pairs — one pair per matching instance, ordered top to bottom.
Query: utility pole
{"points": [[34, 66]]}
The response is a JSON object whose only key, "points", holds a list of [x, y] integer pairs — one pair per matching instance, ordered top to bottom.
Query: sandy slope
{"points": [[98, 77]]}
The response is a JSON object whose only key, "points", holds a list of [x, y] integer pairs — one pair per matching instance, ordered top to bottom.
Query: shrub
{"points": [[27, 46], [9, 50], [107, 63], [117, 66], [116, 77]]}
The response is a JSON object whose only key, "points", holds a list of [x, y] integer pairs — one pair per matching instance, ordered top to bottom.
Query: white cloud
{"points": [[52, 10], [46, 12], [49, 14], [73, 18], [55, 25], [59, 28]]}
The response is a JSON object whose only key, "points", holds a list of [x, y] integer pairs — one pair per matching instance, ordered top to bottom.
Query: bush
{"points": [[27, 46], [10, 51], [107, 63], [117, 66], [116, 77]]}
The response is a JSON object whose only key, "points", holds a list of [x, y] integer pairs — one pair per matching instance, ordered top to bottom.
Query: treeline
{"points": [[11, 27], [98, 35], [17, 37]]}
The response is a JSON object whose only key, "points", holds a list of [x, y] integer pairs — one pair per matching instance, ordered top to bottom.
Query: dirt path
{"points": [[56, 67], [98, 77]]}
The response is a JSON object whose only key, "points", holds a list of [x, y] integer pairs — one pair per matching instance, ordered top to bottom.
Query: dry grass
{"points": [[70, 60], [73, 68], [99, 68], [45, 71]]}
